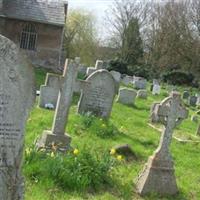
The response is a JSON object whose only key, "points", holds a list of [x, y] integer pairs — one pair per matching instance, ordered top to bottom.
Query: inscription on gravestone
{"points": [[16, 97], [98, 97]]}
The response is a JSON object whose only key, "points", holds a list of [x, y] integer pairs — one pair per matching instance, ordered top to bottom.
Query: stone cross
{"points": [[17, 95], [57, 135], [158, 175]]}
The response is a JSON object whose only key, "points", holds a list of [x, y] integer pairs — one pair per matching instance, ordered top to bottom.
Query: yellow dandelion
{"points": [[76, 152], [112, 152], [119, 157]]}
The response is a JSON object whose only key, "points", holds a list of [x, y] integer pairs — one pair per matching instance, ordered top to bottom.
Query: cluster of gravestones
{"points": [[17, 95]]}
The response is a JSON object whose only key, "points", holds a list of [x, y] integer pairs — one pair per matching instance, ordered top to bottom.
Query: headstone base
{"points": [[48, 140], [157, 177]]}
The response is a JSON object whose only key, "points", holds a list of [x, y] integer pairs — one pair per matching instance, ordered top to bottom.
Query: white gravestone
{"points": [[17, 95], [99, 96], [57, 135], [158, 174]]}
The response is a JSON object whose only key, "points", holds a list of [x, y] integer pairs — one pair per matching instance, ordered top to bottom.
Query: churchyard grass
{"points": [[94, 136]]}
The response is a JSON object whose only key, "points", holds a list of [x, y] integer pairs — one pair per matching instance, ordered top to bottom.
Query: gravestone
{"points": [[99, 64], [90, 70], [116, 75], [126, 80], [140, 83], [156, 89], [49, 92], [142, 94], [17, 95], [186, 95], [127, 96], [98, 98], [192, 100], [154, 113], [57, 135], [158, 174]]}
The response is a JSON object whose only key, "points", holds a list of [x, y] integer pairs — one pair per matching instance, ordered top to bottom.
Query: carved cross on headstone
{"points": [[170, 113], [57, 135], [158, 174]]}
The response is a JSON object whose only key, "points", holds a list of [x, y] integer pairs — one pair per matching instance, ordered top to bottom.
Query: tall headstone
{"points": [[16, 98], [98, 98], [57, 135], [158, 174]]}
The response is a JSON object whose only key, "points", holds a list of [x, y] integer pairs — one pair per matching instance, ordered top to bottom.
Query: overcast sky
{"points": [[98, 7]]}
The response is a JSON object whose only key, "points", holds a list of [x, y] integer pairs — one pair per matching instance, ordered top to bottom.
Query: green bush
{"points": [[118, 65], [178, 78], [81, 171]]}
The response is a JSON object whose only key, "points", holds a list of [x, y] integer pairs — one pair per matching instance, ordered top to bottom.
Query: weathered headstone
{"points": [[99, 64], [90, 70], [116, 75], [126, 80], [140, 83], [156, 89], [49, 92], [142, 94], [186, 95], [126, 96], [16, 98], [98, 98], [192, 100], [154, 113], [57, 135], [158, 174]]}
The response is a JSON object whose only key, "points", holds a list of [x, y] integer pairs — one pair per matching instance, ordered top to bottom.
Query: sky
{"points": [[97, 7]]}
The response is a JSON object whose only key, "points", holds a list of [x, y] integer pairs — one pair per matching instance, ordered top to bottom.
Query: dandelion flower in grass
{"points": [[76, 152], [112, 152], [52, 154], [119, 157]]}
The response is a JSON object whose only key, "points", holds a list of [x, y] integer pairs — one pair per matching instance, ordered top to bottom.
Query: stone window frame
{"points": [[28, 38]]}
